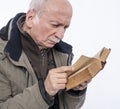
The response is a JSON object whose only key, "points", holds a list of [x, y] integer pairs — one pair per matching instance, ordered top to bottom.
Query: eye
{"points": [[55, 25], [67, 26]]}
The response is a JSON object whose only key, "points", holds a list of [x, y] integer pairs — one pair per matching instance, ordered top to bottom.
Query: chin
{"points": [[50, 45]]}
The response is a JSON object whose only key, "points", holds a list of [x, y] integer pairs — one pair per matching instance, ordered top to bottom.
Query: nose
{"points": [[60, 33]]}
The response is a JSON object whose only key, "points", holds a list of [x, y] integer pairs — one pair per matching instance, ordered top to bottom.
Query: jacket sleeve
{"points": [[30, 98], [69, 101]]}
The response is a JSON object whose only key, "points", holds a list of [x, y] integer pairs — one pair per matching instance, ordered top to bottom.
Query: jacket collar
{"points": [[12, 34]]}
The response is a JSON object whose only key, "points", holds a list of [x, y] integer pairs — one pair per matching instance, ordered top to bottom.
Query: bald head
{"points": [[63, 5], [41, 6]]}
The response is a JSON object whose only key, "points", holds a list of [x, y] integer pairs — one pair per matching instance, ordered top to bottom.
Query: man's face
{"points": [[49, 28]]}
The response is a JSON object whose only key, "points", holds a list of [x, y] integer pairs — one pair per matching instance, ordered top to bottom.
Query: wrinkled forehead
{"points": [[60, 6]]}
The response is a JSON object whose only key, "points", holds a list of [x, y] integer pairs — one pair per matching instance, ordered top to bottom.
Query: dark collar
{"points": [[14, 46]]}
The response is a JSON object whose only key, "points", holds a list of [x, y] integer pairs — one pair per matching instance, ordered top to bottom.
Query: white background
{"points": [[95, 24]]}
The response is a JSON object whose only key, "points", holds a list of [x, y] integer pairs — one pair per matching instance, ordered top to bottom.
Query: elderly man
{"points": [[34, 59]]}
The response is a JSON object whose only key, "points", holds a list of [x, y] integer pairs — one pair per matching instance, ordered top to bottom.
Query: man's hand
{"points": [[56, 79], [82, 86]]}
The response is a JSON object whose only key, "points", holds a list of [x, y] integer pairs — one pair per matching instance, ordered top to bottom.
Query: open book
{"points": [[85, 68]]}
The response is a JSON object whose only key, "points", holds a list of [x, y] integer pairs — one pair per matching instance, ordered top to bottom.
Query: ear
{"points": [[29, 17]]}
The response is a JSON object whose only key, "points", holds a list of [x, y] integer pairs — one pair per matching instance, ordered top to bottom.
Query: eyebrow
{"points": [[59, 23]]}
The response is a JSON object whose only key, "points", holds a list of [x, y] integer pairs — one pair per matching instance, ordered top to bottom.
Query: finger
{"points": [[62, 69], [61, 75], [62, 81], [58, 85], [62, 86]]}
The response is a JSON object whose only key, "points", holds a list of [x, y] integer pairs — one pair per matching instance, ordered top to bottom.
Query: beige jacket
{"points": [[19, 86]]}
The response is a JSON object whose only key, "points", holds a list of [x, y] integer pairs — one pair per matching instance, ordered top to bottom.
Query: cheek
{"points": [[42, 31], [46, 32], [42, 34]]}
